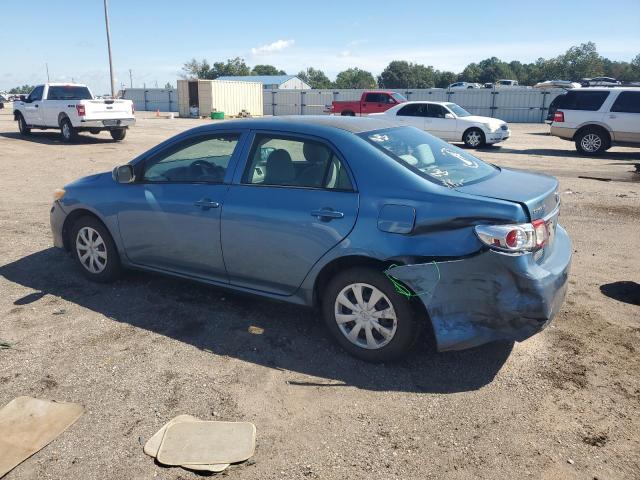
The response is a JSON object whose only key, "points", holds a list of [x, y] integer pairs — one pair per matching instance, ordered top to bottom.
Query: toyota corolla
{"points": [[385, 229]]}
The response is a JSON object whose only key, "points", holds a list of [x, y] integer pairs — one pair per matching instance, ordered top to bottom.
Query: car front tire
{"points": [[22, 125], [474, 138], [94, 250], [368, 317]]}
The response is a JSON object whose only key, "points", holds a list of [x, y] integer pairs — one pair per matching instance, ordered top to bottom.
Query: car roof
{"points": [[605, 89], [423, 101], [307, 122]]}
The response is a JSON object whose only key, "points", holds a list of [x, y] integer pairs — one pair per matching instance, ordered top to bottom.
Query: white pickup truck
{"points": [[72, 109]]}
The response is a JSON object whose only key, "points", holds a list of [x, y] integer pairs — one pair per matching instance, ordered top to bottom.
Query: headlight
{"points": [[58, 193]]}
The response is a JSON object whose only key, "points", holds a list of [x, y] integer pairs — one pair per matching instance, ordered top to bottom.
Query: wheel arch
{"points": [[62, 116], [594, 126], [474, 127], [72, 217], [350, 261]]}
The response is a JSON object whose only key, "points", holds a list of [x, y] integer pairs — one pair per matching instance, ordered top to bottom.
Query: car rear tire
{"points": [[22, 125], [94, 131], [67, 132], [118, 134], [474, 138], [592, 141], [94, 250], [378, 332]]}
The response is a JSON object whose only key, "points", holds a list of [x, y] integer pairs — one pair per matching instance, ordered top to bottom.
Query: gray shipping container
{"points": [[152, 99]]}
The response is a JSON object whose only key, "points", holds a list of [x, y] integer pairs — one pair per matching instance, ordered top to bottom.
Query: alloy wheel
{"points": [[66, 132], [473, 138], [591, 142], [91, 250], [365, 316]]}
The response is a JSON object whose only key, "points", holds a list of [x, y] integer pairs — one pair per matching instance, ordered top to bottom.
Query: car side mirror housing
{"points": [[449, 115], [123, 174]]}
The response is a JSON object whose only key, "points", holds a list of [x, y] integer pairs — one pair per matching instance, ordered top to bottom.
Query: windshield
{"points": [[68, 92], [398, 98], [458, 110], [430, 157]]}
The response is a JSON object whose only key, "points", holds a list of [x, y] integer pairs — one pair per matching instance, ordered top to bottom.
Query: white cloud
{"points": [[274, 47], [345, 53]]}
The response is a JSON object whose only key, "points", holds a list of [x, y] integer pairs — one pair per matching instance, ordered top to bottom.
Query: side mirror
{"points": [[449, 115], [123, 174]]}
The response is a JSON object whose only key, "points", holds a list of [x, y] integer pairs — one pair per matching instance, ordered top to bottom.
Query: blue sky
{"points": [[154, 38]]}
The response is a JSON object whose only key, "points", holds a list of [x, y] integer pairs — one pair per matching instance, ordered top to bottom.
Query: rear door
{"points": [[413, 114], [624, 117], [292, 202], [169, 219]]}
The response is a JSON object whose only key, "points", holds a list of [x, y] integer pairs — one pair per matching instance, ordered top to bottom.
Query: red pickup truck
{"points": [[374, 101]]}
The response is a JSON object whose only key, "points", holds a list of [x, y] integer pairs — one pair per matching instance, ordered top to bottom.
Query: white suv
{"points": [[598, 118]]}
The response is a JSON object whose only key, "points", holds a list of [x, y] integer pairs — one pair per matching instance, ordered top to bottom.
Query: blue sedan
{"points": [[386, 229]]}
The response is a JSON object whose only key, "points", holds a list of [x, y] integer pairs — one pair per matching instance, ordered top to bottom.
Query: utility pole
{"points": [[106, 21], [46, 65], [130, 79]]}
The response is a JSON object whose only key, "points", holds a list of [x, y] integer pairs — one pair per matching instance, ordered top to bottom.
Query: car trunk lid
{"points": [[537, 193]]}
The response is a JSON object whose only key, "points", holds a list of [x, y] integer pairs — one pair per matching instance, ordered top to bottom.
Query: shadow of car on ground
{"points": [[54, 138], [218, 320]]}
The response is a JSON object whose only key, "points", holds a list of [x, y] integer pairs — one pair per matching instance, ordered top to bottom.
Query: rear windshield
{"points": [[68, 92], [398, 98], [583, 100], [430, 157]]}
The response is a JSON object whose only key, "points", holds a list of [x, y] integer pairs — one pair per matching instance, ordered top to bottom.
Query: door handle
{"points": [[36, 106], [612, 116], [206, 204], [326, 214]]}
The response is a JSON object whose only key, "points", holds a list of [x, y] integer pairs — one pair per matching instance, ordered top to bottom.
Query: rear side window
{"points": [[68, 92], [590, 101], [627, 102], [413, 110], [292, 162]]}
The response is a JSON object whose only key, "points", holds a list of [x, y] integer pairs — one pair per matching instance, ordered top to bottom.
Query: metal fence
{"points": [[152, 99], [516, 105]]}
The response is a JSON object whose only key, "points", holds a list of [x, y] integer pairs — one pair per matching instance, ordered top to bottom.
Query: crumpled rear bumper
{"points": [[491, 296]]}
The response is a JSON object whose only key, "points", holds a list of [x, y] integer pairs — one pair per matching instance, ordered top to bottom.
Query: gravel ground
{"points": [[564, 404]]}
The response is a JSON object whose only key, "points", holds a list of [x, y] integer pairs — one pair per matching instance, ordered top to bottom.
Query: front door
{"points": [[33, 107], [413, 114], [624, 117], [438, 125], [292, 204], [170, 218]]}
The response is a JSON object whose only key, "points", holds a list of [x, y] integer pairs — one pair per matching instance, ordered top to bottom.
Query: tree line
{"points": [[582, 61]]}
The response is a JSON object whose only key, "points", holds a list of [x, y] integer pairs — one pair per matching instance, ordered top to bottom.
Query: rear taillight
{"points": [[81, 110], [558, 117], [526, 237]]}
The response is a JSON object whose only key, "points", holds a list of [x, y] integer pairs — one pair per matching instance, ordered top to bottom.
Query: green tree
{"points": [[581, 61], [235, 67], [194, 69], [492, 69], [267, 70], [471, 73], [402, 74], [315, 78], [355, 78], [444, 79], [168, 86], [21, 90]]}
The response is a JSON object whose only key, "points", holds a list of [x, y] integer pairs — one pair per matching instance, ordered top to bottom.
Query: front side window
{"points": [[68, 92], [36, 94], [627, 102], [436, 111], [430, 157], [204, 159], [291, 162]]}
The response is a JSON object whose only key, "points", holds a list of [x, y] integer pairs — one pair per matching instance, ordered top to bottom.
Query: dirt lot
{"points": [[564, 404]]}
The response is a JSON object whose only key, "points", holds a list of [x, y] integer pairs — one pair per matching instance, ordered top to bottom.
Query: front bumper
{"points": [[110, 123], [497, 136], [57, 217], [491, 296]]}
